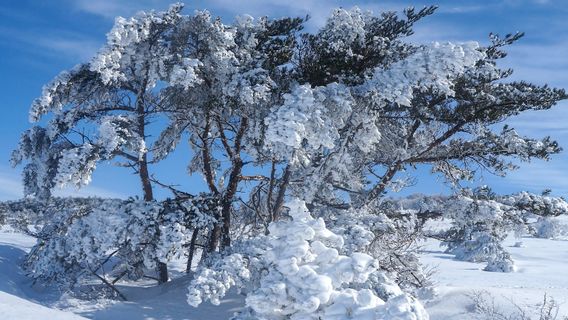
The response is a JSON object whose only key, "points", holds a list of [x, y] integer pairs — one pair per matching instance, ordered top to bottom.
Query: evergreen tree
{"points": [[101, 110]]}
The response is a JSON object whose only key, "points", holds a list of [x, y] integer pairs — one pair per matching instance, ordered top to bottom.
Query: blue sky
{"points": [[40, 38]]}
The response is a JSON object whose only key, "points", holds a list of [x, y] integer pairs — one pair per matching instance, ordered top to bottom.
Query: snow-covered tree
{"points": [[241, 76], [431, 104], [101, 110], [329, 117], [479, 220], [111, 239], [297, 272]]}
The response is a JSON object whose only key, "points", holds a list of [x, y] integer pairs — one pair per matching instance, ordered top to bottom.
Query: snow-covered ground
{"points": [[541, 268]]}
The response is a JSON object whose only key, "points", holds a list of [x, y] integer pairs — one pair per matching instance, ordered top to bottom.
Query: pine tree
{"points": [[101, 110]]}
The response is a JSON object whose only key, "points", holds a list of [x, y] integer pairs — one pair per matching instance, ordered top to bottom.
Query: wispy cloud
{"points": [[113, 8], [462, 9], [318, 10], [51, 43], [80, 48], [538, 176], [11, 188], [89, 191]]}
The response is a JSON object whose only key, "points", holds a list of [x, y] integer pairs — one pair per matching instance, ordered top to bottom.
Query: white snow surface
{"points": [[541, 268]]}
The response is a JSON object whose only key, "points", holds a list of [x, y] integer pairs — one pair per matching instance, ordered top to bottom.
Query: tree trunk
{"points": [[144, 174], [387, 178], [145, 179], [281, 193], [149, 196], [228, 201], [221, 231], [191, 250]]}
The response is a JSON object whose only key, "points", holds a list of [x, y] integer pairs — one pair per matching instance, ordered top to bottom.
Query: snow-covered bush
{"points": [[540, 213], [22, 215], [29, 215], [479, 220], [478, 225], [478, 228], [549, 228], [386, 232], [115, 238], [500, 261], [297, 272]]}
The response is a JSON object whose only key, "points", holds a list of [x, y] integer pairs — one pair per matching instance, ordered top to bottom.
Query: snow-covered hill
{"points": [[541, 266]]}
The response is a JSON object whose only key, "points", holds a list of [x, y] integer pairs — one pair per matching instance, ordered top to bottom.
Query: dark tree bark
{"points": [[144, 174], [281, 193], [221, 231], [191, 250]]}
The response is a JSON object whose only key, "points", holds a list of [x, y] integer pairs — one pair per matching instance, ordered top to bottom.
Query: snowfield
{"points": [[541, 268]]}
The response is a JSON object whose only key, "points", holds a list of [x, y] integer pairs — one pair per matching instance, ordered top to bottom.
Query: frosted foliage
{"points": [[344, 28], [125, 32], [219, 40], [122, 52], [433, 66], [185, 74], [250, 87], [49, 99], [305, 122], [115, 132], [369, 134], [168, 140], [36, 145], [76, 166], [536, 204], [481, 220], [358, 227], [480, 227], [550, 228], [79, 239], [500, 262], [301, 275], [212, 283]]}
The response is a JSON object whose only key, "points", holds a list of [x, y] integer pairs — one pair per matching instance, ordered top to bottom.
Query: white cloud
{"points": [[317, 9], [462, 9], [79, 48], [88, 191]]}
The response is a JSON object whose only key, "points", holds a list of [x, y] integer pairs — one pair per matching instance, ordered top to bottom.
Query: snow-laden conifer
{"points": [[297, 272]]}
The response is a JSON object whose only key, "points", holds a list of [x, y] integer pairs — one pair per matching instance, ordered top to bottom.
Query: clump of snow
{"points": [[432, 66], [184, 74], [302, 121], [116, 132], [500, 262]]}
